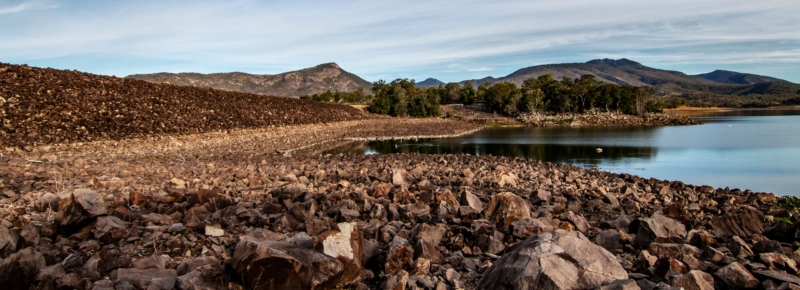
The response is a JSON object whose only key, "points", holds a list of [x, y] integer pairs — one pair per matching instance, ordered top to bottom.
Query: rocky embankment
{"points": [[46, 106], [605, 120], [106, 219]]}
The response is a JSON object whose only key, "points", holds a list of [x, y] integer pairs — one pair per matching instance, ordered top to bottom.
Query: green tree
{"points": [[468, 94]]}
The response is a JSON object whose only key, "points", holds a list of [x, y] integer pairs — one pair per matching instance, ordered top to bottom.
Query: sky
{"points": [[389, 39]]}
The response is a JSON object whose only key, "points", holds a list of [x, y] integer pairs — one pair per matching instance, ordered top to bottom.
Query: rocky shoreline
{"points": [[606, 120], [217, 211]]}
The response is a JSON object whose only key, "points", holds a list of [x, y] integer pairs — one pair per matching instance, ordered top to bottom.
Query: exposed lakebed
{"points": [[746, 149]]}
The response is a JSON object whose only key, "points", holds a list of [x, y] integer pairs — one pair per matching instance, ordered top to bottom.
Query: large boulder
{"points": [[505, 208], [659, 229], [554, 260], [266, 264], [737, 277], [694, 280]]}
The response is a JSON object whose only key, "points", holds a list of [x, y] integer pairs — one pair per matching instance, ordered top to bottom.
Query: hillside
{"points": [[737, 78], [302, 82], [41, 106]]}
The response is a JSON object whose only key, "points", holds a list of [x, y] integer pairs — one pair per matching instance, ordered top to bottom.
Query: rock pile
{"points": [[43, 106], [385, 221]]}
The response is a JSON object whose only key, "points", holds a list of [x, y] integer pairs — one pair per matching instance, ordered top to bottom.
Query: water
{"points": [[758, 149]]}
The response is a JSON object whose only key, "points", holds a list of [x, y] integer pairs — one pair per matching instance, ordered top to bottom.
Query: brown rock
{"points": [[138, 199], [47, 201], [472, 201], [80, 208], [505, 208], [744, 224], [110, 229], [433, 234], [700, 238], [610, 240], [9, 242], [344, 244], [740, 249], [428, 251], [675, 251], [399, 257], [276, 265], [665, 267], [20, 269], [778, 276], [206, 277], [737, 277], [148, 278], [694, 280], [398, 281], [622, 284]]}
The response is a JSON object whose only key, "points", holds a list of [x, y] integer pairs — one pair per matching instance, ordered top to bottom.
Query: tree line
{"points": [[401, 97]]}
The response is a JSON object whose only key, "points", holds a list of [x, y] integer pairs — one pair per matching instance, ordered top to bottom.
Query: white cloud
{"points": [[480, 69]]}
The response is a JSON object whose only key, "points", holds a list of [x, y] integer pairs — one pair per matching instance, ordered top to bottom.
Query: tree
{"points": [[468, 94]]}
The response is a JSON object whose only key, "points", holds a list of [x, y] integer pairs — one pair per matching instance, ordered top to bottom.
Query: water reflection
{"points": [[752, 149]]}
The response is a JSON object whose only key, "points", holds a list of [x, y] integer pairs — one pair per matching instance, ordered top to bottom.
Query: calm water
{"points": [[758, 150]]}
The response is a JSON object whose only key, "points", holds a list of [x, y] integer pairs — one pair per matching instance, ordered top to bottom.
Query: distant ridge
{"points": [[628, 72], [737, 78], [313, 80], [430, 82]]}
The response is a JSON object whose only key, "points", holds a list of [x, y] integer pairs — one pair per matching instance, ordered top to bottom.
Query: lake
{"points": [[746, 149]]}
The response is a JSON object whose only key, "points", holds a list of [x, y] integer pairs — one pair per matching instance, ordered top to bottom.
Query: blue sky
{"points": [[448, 40]]}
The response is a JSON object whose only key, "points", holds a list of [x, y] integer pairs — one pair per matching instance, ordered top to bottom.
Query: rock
{"points": [[399, 177], [47, 201], [472, 202], [80, 208], [505, 208], [580, 223], [744, 224], [527, 227], [176, 228], [110, 229], [659, 229], [214, 231], [781, 231], [432, 234], [700, 238], [609, 240], [9, 242], [344, 244], [767, 246], [740, 249], [428, 251], [675, 251], [399, 257], [553, 260], [154, 261], [775, 261], [189, 265], [276, 265], [422, 266], [665, 267], [20, 269], [735, 276], [778, 276], [51, 277], [206, 277], [148, 278], [694, 280], [398, 281], [628, 284]]}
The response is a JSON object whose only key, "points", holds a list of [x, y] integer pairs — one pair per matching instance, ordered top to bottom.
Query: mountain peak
{"points": [[615, 63], [330, 65], [429, 82]]}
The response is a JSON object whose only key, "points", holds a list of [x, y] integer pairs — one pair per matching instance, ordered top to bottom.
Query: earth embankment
{"points": [[47, 106]]}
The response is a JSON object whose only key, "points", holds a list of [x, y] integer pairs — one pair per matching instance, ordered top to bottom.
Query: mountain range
{"points": [[330, 76], [313, 80]]}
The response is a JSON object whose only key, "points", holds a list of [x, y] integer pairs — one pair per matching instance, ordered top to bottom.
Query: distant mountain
{"points": [[628, 72], [737, 78], [314, 80], [430, 82]]}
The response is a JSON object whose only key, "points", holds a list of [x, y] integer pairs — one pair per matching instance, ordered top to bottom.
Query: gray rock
{"points": [[554, 260]]}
